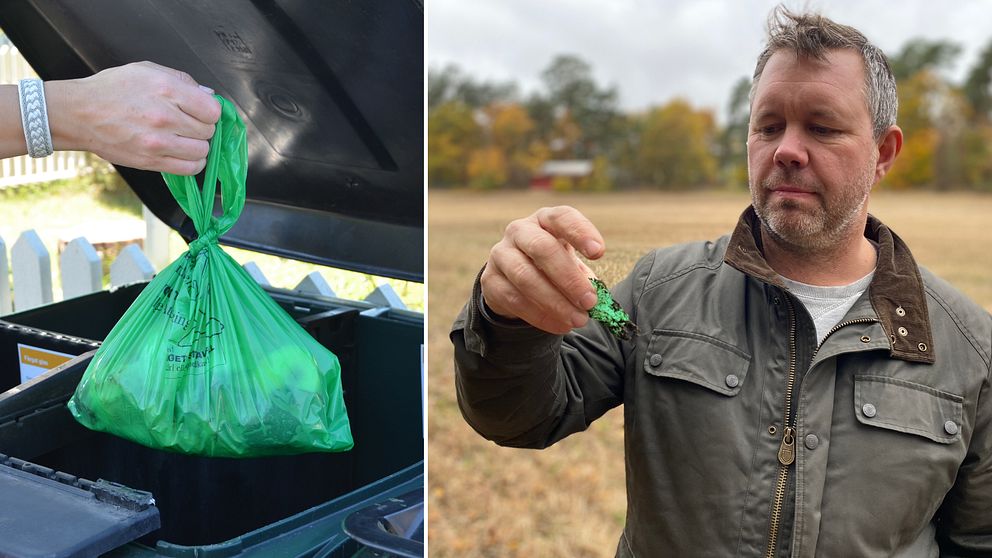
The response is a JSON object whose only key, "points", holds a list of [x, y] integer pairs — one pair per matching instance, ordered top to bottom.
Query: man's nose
{"points": [[791, 152]]}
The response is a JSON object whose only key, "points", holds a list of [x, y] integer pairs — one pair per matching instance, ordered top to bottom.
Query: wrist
{"points": [[64, 118], [12, 141], [495, 317]]}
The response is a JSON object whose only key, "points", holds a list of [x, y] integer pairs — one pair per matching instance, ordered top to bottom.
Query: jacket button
{"points": [[655, 359], [733, 381], [868, 409], [951, 427], [811, 441]]}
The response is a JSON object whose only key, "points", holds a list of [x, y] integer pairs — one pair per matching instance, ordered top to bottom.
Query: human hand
{"points": [[141, 115], [534, 274]]}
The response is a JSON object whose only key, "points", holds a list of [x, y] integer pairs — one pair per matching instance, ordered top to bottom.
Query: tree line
{"points": [[488, 135]]}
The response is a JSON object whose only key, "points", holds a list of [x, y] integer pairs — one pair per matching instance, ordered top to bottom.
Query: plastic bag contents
{"points": [[205, 362]]}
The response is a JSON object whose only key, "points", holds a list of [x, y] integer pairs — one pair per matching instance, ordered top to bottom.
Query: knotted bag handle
{"points": [[226, 161]]}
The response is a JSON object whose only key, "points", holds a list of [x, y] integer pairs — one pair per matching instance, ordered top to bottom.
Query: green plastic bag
{"points": [[205, 362]]}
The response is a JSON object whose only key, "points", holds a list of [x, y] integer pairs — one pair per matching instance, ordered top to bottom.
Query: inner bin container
{"points": [[205, 501]]}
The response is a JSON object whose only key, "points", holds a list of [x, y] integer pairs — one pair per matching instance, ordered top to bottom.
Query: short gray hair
{"points": [[813, 35]]}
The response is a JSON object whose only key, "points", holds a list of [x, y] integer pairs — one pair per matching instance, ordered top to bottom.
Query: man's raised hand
{"points": [[534, 273]]}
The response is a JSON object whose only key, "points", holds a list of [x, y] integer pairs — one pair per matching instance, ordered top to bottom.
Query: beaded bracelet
{"points": [[34, 116]]}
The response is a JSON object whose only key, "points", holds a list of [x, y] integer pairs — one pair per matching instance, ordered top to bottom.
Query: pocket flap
{"points": [[697, 358], [908, 407]]}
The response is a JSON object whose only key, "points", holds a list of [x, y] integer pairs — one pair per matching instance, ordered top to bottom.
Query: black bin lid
{"points": [[331, 93], [44, 513]]}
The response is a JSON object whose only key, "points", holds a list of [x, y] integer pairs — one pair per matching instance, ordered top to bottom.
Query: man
{"points": [[799, 387]]}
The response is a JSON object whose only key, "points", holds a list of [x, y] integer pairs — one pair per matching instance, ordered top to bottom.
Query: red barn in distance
{"points": [[572, 170]]}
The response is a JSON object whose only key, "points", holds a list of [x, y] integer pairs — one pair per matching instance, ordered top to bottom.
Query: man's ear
{"points": [[888, 149]]}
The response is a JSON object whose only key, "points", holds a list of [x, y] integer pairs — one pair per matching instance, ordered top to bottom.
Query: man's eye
{"points": [[768, 130], [822, 130]]}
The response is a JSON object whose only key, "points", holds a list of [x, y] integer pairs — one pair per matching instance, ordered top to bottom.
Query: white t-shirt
{"points": [[828, 305]]}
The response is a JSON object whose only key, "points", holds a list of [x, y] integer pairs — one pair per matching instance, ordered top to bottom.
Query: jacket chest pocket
{"points": [[697, 358], [908, 407], [691, 429]]}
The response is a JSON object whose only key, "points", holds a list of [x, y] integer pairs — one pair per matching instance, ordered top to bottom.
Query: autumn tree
{"points": [[922, 54], [451, 84], [978, 86], [574, 102], [926, 112], [947, 127], [515, 134], [452, 135], [733, 138], [974, 146], [674, 148], [511, 150], [460, 151], [623, 154], [974, 156], [916, 163], [487, 168]]}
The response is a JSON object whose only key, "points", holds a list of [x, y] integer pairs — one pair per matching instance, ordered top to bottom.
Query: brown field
{"points": [[568, 500]]}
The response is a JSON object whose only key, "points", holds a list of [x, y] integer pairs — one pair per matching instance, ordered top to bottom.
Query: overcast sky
{"points": [[654, 50]]}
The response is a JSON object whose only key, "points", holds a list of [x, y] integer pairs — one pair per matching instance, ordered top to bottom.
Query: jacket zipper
{"points": [[840, 325], [787, 449]]}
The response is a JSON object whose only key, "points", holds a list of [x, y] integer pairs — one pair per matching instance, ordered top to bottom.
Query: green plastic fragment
{"points": [[608, 312]]}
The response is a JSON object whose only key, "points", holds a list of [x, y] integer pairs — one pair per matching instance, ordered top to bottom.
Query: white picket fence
{"points": [[15, 171], [81, 272]]}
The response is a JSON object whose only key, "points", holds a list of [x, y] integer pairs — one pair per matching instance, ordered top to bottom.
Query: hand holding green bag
{"points": [[205, 362]]}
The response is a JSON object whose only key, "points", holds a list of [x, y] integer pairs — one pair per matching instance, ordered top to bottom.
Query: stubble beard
{"points": [[801, 228]]}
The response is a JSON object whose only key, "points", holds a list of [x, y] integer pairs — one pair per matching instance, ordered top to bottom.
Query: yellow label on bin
{"points": [[36, 361]]}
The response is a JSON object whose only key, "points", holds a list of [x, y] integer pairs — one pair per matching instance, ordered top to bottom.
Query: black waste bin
{"points": [[205, 503]]}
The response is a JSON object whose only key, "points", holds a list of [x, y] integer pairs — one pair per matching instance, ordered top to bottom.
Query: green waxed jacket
{"points": [[890, 418]]}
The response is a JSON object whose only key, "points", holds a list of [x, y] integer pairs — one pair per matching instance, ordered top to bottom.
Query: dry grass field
{"points": [[568, 500]]}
